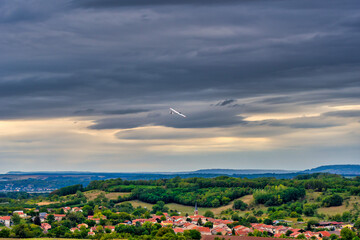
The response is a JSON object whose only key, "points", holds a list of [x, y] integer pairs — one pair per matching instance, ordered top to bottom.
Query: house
{"points": [[66, 209], [76, 209], [20, 213], [42, 216], [59, 217], [96, 219], [6, 220], [178, 220], [141, 221], [166, 223], [82, 225], [189, 226], [45, 227], [112, 228], [74, 229], [281, 229], [178, 230], [203, 230], [221, 230], [242, 230], [91, 234], [295, 234], [309, 234], [324, 234], [277, 235], [213, 237]]}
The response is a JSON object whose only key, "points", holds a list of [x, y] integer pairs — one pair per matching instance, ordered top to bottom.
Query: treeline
{"points": [[114, 185], [68, 190], [219, 191], [277, 196], [211, 197], [148, 231]]}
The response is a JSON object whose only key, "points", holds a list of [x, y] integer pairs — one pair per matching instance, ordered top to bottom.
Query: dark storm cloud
{"points": [[121, 3], [14, 11], [61, 63], [226, 102], [90, 111], [125, 111], [344, 114], [213, 119], [194, 120], [301, 123]]}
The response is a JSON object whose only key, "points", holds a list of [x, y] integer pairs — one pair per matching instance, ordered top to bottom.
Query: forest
{"points": [[219, 191]]}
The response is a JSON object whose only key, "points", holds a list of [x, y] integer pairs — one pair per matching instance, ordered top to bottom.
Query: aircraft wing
{"points": [[178, 113]]}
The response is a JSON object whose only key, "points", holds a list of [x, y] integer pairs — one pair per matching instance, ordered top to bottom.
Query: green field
{"points": [[248, 199], [347, 206], [190, 209]]}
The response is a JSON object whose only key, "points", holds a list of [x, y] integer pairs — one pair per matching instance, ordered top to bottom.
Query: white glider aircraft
{"points": [[173, 111]]}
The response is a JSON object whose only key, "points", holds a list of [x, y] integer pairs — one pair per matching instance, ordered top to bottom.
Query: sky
{"points": [[86, 85]]}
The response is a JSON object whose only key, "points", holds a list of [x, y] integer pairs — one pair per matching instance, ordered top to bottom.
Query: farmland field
{"points": [[91, 195], [347, 206], [190, 209]]}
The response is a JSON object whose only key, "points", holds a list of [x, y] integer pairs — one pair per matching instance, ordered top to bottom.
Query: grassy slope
{"points": [[91, 195], [310, 197], [190, 209], [340, 209]]}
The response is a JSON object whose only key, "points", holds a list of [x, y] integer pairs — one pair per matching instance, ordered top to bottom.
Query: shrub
{"points": [[334, 200], [238, 204]]}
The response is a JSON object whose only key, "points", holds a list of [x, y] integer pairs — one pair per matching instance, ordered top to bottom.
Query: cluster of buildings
{"points": [[25, 188], [196, 222]]}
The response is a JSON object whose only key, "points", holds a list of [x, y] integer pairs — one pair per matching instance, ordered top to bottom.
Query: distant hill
{"points": [[348, 169], [242, 171], [49, 181]]}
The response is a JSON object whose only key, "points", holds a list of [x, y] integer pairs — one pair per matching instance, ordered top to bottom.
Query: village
{"points": [[206, 226]]}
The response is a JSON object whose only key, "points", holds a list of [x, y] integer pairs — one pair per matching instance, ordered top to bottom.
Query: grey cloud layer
{"points": [[93, 57], [122, 63]]}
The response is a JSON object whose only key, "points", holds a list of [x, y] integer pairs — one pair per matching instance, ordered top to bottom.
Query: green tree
{"points": [[334, 200], [240, 205], [309, 211], [209, 214], [235, 217], [15, 219], [50, 219], [252, 219], [37, 221], [268, 221], [209, 224], [357, 224], [165, 230], [4, 233], [192, 234], [347, 234], [301, 236], [333, 236]]}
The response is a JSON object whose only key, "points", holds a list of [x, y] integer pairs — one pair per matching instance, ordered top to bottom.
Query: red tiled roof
{"points": [[59, 215], [45, 226], [203, 229], [177, 230], [325, 233], [212, 237]]}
